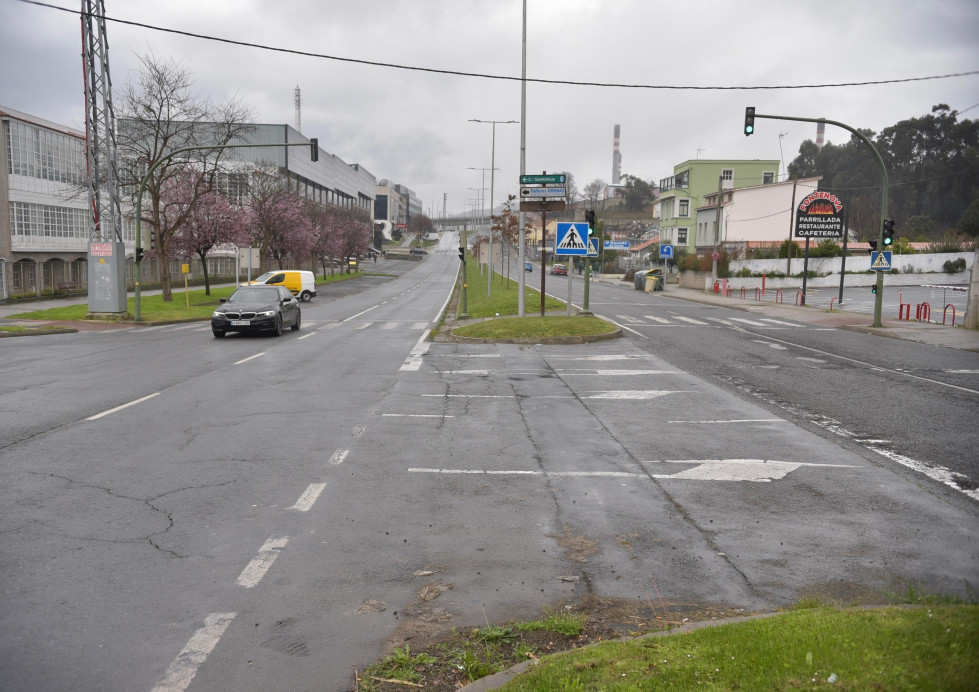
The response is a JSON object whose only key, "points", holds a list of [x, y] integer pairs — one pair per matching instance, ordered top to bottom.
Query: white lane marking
{"points": [[361, 313], [657, 319], [691, 320], [720, 321], [751, 322], [787, 324], [331, 325], [364, 325], [390, 325], [621, 326], [153, 329], [180, 329], [306, 336], [473, 355], [414, 359], [245, 360], [810, 360], [871, 365], [468, 372], [962, 372], [612, 373], [494, 396], [119, 408], [416, 415], [733, 420], [339, 456], [934, 471], [306, 500], [260, 564], [184, 667]]}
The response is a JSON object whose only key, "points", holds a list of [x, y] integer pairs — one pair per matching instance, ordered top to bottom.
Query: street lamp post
{"points": [[492, 180]]}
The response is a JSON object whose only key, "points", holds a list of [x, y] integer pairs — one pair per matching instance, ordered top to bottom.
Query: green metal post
{"points": [[879, 298], [463, 305]]}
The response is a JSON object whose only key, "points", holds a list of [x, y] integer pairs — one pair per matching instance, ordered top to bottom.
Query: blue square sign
{"points": [[571, 239]]}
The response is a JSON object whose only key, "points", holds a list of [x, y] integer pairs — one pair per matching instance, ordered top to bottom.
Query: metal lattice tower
{"points": [[297, 97], [100, 127]]}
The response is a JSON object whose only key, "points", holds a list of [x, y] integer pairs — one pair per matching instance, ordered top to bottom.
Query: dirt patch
{"points": [[576, 548], [447, 656]]}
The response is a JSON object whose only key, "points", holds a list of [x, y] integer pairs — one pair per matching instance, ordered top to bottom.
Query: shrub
{"points": [[954, 266], [743, 272]]}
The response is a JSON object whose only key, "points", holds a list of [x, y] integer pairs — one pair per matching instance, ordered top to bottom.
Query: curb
{"points": [[39, 332], [546, 340]]}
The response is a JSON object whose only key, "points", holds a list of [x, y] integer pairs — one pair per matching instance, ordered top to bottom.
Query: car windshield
{"points": [[263, 277], [254, 294]]}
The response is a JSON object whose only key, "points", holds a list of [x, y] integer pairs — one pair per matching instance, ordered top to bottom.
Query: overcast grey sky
{"points": [[413, 127]]}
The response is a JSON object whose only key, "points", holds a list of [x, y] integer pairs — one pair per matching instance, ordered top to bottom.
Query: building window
{"points": [[38, 153], [727, 174], [767, 178], [683, 179], [684, 208], [47, 221], [681, 236]]}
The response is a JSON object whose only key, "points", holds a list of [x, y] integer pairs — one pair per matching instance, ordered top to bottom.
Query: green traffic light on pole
{"points": [[749, 121], [590, 219], [888, 232]]}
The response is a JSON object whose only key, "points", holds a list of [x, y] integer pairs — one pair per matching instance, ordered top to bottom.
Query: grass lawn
{"points": [[503, 299], [153, 309], [934, 648]]}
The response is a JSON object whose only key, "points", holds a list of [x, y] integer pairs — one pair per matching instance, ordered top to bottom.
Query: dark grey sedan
{"points": [[257, 309]]}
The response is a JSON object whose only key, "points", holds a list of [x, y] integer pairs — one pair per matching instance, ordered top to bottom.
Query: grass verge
{"points": [[503, 298], [154, 309], [536, 327], [881, 649]]}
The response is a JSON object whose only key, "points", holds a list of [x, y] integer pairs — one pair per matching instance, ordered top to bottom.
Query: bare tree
{"points": [[159, 114], [572, 187], [594, 190]]}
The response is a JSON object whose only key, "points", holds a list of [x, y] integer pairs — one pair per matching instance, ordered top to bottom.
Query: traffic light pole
{"points": [[313, 144], [590, 218], [879, 297], [463, 301]]}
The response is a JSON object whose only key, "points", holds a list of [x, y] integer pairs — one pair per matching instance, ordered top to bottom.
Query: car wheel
{"points": [[305, 296], [299, 319], [278, 325], [217, 334]]}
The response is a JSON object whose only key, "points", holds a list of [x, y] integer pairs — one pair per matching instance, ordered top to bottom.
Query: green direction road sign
{"points": [[543, 179]]}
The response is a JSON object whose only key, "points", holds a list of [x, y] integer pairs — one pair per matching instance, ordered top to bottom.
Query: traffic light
{"points": [[749, 121], [314, 149], [590, 218], [888, 232], [152, 240], [873, 246], [462, 252], [139, 254], [873, 289]]}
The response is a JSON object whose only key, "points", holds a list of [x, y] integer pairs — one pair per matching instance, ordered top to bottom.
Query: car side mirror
{"points": [[223, 300]]}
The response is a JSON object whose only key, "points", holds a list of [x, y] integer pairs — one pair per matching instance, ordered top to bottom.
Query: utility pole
{"points": [[717, 227]]}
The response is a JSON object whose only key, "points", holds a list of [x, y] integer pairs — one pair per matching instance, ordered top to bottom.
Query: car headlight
{"points": [[267, 313], [217, 315]]}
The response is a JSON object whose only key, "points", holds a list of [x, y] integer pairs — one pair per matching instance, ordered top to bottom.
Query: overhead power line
{"points": [[457, 73]]}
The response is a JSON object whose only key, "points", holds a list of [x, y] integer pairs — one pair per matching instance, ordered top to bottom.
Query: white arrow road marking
{"points": [[565, 373], [631, 395], [748, 470], [261, 563], [184, 667]]}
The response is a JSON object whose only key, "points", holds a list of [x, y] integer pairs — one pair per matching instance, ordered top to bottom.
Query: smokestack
{"points": [[820, 134], [616, 157]]}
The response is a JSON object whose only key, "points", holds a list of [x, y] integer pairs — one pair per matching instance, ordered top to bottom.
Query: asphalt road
{"points": [[181, 512]]}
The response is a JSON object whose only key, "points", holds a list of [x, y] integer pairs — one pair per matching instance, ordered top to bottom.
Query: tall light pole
{"points": [[492, 180], [482, 194]]}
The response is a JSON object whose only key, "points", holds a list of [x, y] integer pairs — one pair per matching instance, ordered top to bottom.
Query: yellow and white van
{"points": [[301, 283]]}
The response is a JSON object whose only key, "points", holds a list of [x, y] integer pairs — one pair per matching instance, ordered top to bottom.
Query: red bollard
{"points": [[778, 296], [831, 301], [945, 312]]}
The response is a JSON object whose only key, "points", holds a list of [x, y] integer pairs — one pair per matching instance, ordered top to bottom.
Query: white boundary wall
{"points": [[907, 264]]}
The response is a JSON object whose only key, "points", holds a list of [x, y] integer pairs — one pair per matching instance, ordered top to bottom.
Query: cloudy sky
{"points": [[413, 127]]}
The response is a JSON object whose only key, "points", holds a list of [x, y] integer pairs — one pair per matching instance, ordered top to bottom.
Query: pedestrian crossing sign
{"points": [[570, 239], [880, 261]]}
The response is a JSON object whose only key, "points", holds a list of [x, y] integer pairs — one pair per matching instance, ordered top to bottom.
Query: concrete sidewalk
{"points": [[921, 332]]}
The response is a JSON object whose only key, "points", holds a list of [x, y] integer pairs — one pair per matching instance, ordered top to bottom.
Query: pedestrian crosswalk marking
{"points": [[660, 320], [692, 321]]}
